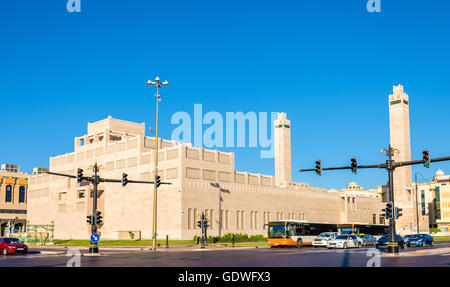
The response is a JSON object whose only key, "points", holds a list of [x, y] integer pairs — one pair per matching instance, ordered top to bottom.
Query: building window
{"points": [[22, 194], [8, 196], [422, 196], [437, 203], [227, 217], [189, 218], [374, 218], [381, 218], [194, 219], [237, 219]]}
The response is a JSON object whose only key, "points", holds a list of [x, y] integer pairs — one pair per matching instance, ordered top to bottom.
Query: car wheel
{"points": [[299, 243], [431, 243], [359, 244], [345, 245], [409, 245], [402, 246], [5, 252]]}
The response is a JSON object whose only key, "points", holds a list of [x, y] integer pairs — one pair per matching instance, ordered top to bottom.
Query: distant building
{"points": [[199, 177], [354, 193], [13, 197], [434, 201]]}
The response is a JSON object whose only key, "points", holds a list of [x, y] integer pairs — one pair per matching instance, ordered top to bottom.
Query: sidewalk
{"points": [[435, 251]]}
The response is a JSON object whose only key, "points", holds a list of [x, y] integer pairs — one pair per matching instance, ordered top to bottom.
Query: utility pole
{"points": [[158, 84], [390, 166], [96, 219]]}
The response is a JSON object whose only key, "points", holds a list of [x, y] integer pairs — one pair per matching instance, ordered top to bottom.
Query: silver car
{"points": [[322, 239], [369, 239], [344, 241]]}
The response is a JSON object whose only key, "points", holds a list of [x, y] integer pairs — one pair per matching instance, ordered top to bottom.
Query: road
{"points": [[438, 255]]}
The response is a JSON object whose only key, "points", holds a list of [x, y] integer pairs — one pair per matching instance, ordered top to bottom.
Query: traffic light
{"points": [[426, 158], [354, 165], [319, 167], [79, 175], [97, 179], [124, 179], [157, 180], [389, 209], [398, 212], [98, 217], [90, 219], [200, 223], [205, 224]]}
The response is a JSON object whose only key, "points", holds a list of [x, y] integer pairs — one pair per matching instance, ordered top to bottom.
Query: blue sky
{"points": [[330, 65]]}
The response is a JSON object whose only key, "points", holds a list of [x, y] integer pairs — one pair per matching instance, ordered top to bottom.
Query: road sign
{"points": [[95, 237]]}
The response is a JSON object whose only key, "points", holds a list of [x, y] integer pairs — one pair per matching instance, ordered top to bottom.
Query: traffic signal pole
{"points": [[390, 166], [95, 218], [393, 241], [93, 248]]}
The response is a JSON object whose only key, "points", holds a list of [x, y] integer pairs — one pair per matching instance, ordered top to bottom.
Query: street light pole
{"points": [[158, 84], [417, 197], [417, 204]]}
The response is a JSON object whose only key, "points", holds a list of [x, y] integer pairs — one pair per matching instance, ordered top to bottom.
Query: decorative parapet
{"points": [[313, 193]]}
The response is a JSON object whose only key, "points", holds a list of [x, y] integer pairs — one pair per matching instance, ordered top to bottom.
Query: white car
{"points": [[322, 239], [344, 241]]}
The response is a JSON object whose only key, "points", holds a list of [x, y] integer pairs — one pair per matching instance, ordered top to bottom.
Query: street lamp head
{"points": [[157, 79], [149, 82], [165, 83]]}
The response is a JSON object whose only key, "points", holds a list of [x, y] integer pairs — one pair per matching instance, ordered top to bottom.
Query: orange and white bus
{"points": [[296, 232]]}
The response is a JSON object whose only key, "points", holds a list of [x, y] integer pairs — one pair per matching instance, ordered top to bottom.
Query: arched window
{"points": [[22, 194], [8, 197]]}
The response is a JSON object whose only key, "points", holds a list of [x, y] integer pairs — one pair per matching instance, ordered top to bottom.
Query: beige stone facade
{"points": [[197, 176], [13, 197]]}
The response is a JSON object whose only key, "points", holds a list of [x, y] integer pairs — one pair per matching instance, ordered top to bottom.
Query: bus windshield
{"points": [[276, 230]]}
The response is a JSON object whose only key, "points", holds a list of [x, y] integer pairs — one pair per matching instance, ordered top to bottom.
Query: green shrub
{"points": [[238, 237]]}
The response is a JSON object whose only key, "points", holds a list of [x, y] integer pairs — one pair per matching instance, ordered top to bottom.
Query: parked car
{"points": [[323, 238], [367, 239], [384, 240], [419, 240], [343, 241], [11, 245]]}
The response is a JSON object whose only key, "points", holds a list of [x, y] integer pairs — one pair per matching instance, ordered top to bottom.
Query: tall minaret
{"points": [[282, 133], [401, 140]]}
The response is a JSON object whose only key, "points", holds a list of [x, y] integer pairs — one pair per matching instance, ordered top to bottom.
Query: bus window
{"points": [[299, 229], [306, 229], [276, 230], [290, 230], [346, 230]]}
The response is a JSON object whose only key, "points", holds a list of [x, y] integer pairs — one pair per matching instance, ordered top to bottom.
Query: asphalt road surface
{"points": [[437, 255]]}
